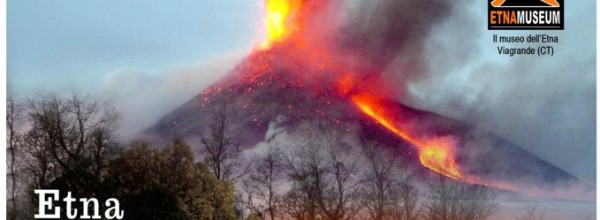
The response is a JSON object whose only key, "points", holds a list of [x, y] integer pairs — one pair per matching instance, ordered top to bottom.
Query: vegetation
{"points": [[67, 143], [221, 153], [155, 176], [387, 185], [262, 193], [451, 200]]}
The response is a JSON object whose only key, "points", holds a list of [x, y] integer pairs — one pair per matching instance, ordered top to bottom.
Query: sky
{"points": [[73, 45], [148, 57]]}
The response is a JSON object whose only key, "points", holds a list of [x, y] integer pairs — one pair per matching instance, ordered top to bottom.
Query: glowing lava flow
{"points": [[279, 20], [435, 153]]}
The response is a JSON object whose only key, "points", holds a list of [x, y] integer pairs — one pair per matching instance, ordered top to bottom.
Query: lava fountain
{"points": [[279, 20], [282, 22]]}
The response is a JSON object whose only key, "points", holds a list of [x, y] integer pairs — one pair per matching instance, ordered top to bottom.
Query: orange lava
{"points": [[279, 20], [283, 24], [434, 153]]}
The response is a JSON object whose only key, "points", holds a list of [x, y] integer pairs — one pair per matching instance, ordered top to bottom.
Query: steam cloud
{"points": [[142, 98]]}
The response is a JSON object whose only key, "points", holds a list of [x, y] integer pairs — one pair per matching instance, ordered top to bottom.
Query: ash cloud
{"points": [[380, 30], [376, 34]]}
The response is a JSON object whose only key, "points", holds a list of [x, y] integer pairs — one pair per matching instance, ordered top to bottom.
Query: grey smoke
{"points": [[380, 30], [439, 57]]}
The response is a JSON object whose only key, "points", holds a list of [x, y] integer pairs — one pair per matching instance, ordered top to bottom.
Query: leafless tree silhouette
{"points": [[387, 186], [451, 200]]}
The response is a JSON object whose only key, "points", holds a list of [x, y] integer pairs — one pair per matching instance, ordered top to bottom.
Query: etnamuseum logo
{"points": [[526, 15], [91, 207]]}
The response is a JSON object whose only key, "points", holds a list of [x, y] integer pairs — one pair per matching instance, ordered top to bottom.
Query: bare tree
{"points": [[71, 130], [49, 137], [67, 140], [13, 146], [221, 153], [40, 166], [323, 173], [387, 190], [262, 192], [405, 197], [452, 200], [300, 202]]}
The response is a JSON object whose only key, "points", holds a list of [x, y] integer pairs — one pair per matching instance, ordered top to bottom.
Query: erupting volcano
{"points": [[300, 72]]}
